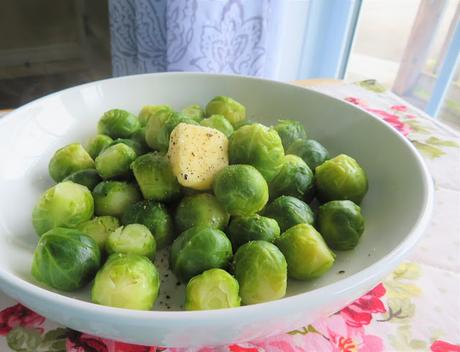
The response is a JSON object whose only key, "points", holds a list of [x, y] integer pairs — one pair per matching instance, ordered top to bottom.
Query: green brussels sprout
{"points": [[231, 109], [152, 110], [194, 111], [118, 123], [220, 123], [242, 123], [159, 128], [289, 131], [137, 141], [97, 143], [133, 144], [259, 146], [310, 151], [67, 160], [115, 161], [153, 173], [88, 177], [341, 178], [294, 179], [241, 189], [113, 197], [66, 204], [201, 209], [289, 211], [153, 215], [341, 224], [99, 228], [243, 229], [132, 239], [199, 249], [306, 253], [65, 259], [261, 271], [126, 281], [213, 289]]}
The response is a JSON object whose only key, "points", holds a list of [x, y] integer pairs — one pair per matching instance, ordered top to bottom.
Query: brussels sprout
{"points": [[231, 109], [153, 110], [194, 111], [118, 123], [220, 123], [242, 123], [159, 128], [289, 131], [137, 141], [97, 143], [134, 144], [259, 146], [310, 151], [67, 160], [115, 161], [88, 177], [155, 177], [341, 178], [294, 179], [241, 189], [113, 197], [66, 204], [200, 210], [289, 211], [153, 215], [341, 224], [99, 228], [243, 229], [132, 239], [199, 249], [306, 253], [65, 259], [261, 271], [126, 281], [213, 289]]}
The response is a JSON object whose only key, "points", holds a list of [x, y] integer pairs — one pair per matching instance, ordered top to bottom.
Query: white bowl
{"points": [[397, 206]]}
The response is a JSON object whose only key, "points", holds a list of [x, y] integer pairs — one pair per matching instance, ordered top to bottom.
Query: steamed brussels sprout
{"points": [[230, 108], [153, 110], [194, 111], [118, 123], [220, 123], [242, 123], [290, 131], [137, 141], [97, 143], [134, 144], [259, 146], [310, 151], [67, 160], [115, 161], [88, 177], [155, 177], [341, 178], [294, 179], [241, 189], [113, 197], [66, 204], [200, 210], [289, 211], [153, 215], [341, 224], [99, 228], [243, 229], [132, 239], [199, 249], [306, 253], [65, 259], [261, 271], [126, 281], [213, 289]]}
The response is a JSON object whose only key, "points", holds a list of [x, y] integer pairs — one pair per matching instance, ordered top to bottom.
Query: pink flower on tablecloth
{"points": [[356, 101], [401, 108], [410, 116], [360, 312], [18, 315], [78, 342], [442, 346], [126, 347], [237, 348]]}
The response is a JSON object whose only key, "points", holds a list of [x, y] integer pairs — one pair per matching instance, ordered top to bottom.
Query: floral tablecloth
{"points": [[416, 308]]}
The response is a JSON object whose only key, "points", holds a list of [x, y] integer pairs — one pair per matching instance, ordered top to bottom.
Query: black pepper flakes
{"points": [[342, 272], [168, 296]]}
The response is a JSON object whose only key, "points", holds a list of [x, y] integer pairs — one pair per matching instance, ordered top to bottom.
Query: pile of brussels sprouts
{"points": [[277, 210]]}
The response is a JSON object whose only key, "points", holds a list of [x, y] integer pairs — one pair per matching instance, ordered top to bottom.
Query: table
{"points": [[416, 308]]}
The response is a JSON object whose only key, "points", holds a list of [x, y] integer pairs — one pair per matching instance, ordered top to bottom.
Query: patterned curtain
{"points": [[227, 36]]}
